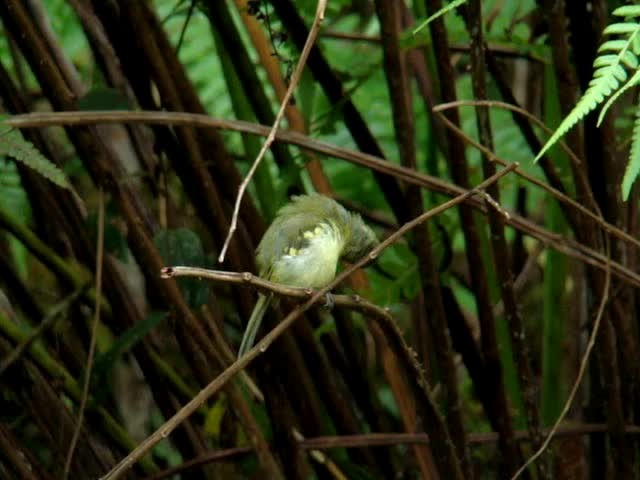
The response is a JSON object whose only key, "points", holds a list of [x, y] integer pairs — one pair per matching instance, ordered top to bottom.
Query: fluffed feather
{"points": [[302, 247]]}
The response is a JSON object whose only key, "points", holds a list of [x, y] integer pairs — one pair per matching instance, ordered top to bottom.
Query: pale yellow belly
{"points": [[312, 267]]}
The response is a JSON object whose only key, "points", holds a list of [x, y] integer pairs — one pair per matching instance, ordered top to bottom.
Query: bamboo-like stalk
{"points": [[396, 71], [500, 249], [479, 278], [71, 387]]}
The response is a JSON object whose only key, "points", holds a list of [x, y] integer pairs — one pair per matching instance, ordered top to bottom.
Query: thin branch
{"points": [[497, 49], [271, 65], [295, 78], [608, 227], [571, 248], [354, 302], [53, 315], [94, 334], [241, 363], [382, 440], [218, 455], [322, 458]]}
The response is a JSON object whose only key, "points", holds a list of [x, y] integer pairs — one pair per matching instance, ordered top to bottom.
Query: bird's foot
{"points": [[329, 301]]}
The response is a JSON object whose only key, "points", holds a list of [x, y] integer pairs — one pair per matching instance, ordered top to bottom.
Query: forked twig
{"points": [[295, 78]]}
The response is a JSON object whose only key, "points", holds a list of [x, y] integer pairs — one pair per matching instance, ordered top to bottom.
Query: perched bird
{"points": [[302, 247]]}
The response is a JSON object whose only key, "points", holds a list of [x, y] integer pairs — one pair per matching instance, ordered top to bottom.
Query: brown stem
{"points": [[396, 72], [500, 249], [479, 280]]}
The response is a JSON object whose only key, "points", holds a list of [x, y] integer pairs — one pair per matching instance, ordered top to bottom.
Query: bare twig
{"points": [[313, 33], [497, 49], [295, 118], [350, 301], [94, 334], [165, 430], [381, 439], [384, 439], [209, 457], [322, 458]]}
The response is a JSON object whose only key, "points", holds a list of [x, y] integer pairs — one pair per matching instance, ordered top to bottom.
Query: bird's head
{"points": [[360, 239]]}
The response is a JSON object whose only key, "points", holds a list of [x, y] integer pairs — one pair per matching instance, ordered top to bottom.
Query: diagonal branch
{"points": [[444, 443]]}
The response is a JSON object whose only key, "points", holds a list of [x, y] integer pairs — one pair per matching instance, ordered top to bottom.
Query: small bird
{"points": [[302, 247]]}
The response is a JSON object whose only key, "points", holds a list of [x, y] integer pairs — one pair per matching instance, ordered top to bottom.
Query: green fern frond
{"points": [[628, 11], [439, 13], [617, 57], [633, 81], [13, 144], [633, 167]]}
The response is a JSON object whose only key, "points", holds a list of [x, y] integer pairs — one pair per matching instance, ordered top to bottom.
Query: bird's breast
{"points": [[314, 264]]}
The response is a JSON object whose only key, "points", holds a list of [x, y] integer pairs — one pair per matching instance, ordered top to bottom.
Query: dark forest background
{"points": [[469, 332]]}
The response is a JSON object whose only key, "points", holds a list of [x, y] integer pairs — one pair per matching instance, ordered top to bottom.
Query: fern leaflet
{"points": [[439, 13], [616, 57], [13, 144], [633, 167]]}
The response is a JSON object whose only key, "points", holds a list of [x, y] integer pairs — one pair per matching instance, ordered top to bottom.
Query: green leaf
{"points": [[627, 11], [439, 13], [619, 29], [614, 45], [610, 72], [632, 82], [103, 98], [13, 144], [633, 167], [183, 247], [399, 262], [554, 310], [327, 326], [105, 361], [387, 401], [215, 415]]}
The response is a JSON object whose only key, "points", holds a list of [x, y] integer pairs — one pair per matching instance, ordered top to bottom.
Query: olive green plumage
{"points": [[302, 248]]}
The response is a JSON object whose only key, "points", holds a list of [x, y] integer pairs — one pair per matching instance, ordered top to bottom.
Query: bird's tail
{"points": [[254, 323]]}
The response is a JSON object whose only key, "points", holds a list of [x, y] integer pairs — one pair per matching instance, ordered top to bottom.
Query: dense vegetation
{"points": [[503, 324]]}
